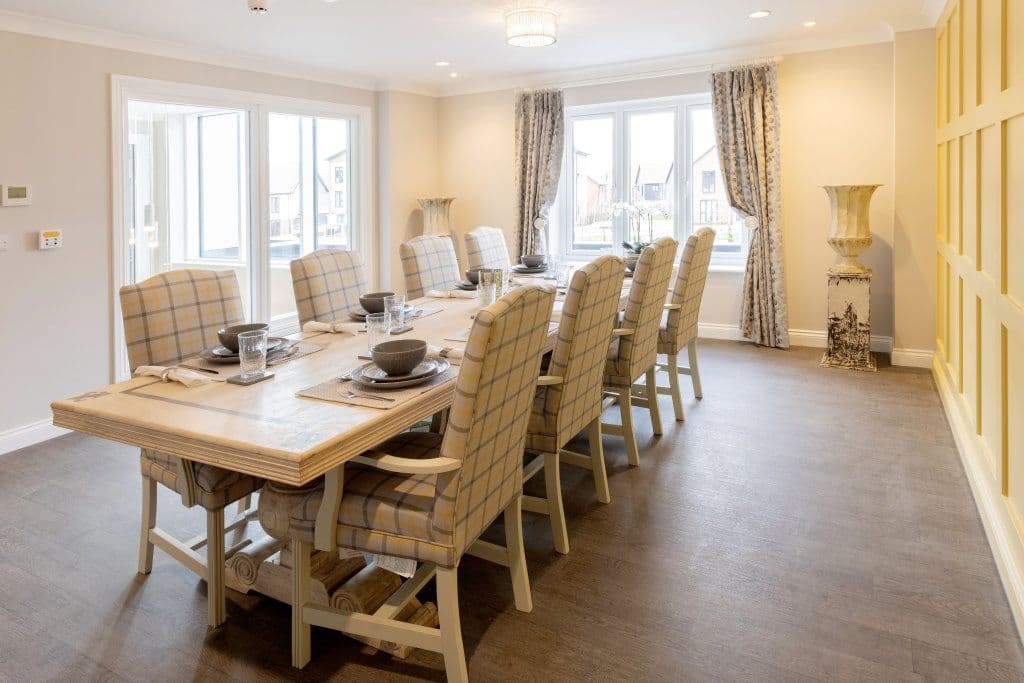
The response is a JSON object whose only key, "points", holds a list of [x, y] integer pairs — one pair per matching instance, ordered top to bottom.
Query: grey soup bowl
{"points": [[533, 260], [473, 276], [374, 301], [229, 335], [399, 356]]}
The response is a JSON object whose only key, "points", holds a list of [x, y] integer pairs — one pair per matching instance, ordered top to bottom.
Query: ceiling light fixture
{"points": [[760, 14], [811, 23], [531, 27], [442, 62], [454, 74]]}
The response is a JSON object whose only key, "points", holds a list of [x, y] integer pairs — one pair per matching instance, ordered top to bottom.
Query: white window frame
{"points": [[258, 106], [685, 191]]}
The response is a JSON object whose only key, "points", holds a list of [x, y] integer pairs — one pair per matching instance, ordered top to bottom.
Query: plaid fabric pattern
{"points": [[485, 248], [429, 262], [327, 284], [174, 315], [170, 317], [680, 326], [631, 356], [561, 411]]}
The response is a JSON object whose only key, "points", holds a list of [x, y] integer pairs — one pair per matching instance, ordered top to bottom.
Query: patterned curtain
{"points": [[747, 127], [540, 139]]}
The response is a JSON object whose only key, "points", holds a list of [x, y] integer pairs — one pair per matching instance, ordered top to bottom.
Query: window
{"points": [[219, 143], [642, 170], [339, 175], [707, 182], [339, 200], [275, 205], [708, 211], [275, 228]]}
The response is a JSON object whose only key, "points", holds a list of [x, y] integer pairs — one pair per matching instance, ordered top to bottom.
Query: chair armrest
{"points": [[673, 307], [622, 332], [548, 380], [393, 463]]}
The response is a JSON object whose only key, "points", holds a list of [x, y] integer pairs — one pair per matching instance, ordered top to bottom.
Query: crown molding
{"points": [[932, 10], [44, 27], [679, 65]]}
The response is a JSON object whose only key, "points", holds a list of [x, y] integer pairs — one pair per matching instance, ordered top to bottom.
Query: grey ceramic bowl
{"points": [[533, 260], [473, 276], [374, 301], [229, 335], [399, 356]]}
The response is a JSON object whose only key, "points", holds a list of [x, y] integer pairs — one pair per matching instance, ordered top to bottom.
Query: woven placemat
{"points": [[303, 348], [225, 370], [339, 389]]}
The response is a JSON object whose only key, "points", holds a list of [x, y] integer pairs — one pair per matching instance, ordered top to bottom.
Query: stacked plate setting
{"points": [[370, 376]]}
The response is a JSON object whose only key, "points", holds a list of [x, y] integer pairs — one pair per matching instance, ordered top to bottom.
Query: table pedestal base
{"points": [[849, 321]]}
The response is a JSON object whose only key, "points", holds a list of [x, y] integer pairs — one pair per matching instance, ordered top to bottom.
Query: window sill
{"points": [[722, 268]]}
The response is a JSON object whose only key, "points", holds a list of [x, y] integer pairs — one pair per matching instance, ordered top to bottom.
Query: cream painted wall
{"points": [[409, 169], [55, 306]]}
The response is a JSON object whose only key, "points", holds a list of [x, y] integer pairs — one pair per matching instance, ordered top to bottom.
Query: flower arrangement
{"points": [[640, 215]]}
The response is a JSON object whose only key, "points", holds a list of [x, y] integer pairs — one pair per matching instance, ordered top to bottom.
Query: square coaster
{"points": [[237, 379]]}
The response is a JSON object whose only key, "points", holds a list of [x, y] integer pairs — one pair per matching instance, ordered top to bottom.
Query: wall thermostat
{"points": [[15, 195], [51, 239]]}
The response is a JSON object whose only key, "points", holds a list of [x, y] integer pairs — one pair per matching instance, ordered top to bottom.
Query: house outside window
{"points": [[707, 182]]}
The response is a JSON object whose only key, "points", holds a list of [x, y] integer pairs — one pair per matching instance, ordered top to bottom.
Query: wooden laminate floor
{"points": [[803, 524]]}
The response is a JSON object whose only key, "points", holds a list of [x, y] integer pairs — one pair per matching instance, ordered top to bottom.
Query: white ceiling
{"points": [[394, 43]]}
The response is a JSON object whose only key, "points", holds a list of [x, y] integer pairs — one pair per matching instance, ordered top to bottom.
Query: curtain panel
{"points": [[745, 104], [540, 142]]}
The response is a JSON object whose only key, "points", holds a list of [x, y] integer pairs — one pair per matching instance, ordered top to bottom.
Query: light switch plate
{"points": [[15, 195], [51, 239], [4, 244]]}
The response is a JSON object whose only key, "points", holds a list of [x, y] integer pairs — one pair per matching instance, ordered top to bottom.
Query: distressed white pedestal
{"points": [[849, 321]]}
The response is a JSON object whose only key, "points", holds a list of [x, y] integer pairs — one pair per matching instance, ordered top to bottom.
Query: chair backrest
{"points": [[486, 248], [429, 262], [327, 284], [689, 287], [646, 304], [175, 315], [581, 348], [489, 415]]}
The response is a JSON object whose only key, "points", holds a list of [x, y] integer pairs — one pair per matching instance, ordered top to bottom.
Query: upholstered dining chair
{"points": [[486, 248], [429, 262], [327, 284], [167, 318], [679, 329], [634, 348], [568, 398], [428, 497]]}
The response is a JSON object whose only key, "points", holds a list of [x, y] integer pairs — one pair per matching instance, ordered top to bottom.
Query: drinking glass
{"points": [[564, 276], [487, 290], [396, 307], [378, 325], [252, 354]]}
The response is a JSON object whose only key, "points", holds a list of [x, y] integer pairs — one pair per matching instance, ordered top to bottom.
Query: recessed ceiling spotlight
{"points": [[760, 14], [810, 23], [442, 62], [454, 74]]}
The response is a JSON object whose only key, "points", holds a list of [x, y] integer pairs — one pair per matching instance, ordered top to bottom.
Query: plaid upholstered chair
{"points": [[485, 248], [429, 262], [327, 284], [168, 318], [679, 329], [634, 348], [569, 396], [428, 497]]}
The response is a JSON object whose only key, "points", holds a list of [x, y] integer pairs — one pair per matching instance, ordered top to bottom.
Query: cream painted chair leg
{"points": [[694, 370], [673, 383], [652, 400], [626, 411], [597, 461], [553, 486], [148, 523], [517, 555], [300, 596], [216, 605], [451, 626]]}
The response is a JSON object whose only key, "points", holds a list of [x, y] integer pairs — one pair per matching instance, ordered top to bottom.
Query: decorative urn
{"points": [[437, 218], [850, 232]]}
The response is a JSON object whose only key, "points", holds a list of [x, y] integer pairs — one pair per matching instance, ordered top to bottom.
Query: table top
{"points": [[266, 430]]}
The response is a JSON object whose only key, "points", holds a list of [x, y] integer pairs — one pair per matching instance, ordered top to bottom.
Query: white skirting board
{"points": [[913, 358], [27, 435], [996, 514]]}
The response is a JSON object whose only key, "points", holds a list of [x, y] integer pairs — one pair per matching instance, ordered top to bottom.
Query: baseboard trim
{"points": [[720, 331], [817, 339], [912, 358], [28, 435], [996, 515]]}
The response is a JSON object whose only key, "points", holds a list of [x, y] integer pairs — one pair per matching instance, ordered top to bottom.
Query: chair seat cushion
{"points": [[542, 432], [215, 486], [382, 512]]}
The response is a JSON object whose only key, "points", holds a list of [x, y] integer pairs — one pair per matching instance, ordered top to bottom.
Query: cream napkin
{"points": [[450, 294], [334, 328], [450, 353], [180, 375]]}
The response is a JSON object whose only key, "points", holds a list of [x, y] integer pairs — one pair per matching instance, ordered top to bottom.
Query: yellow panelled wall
{"points": [[979, 364]]}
